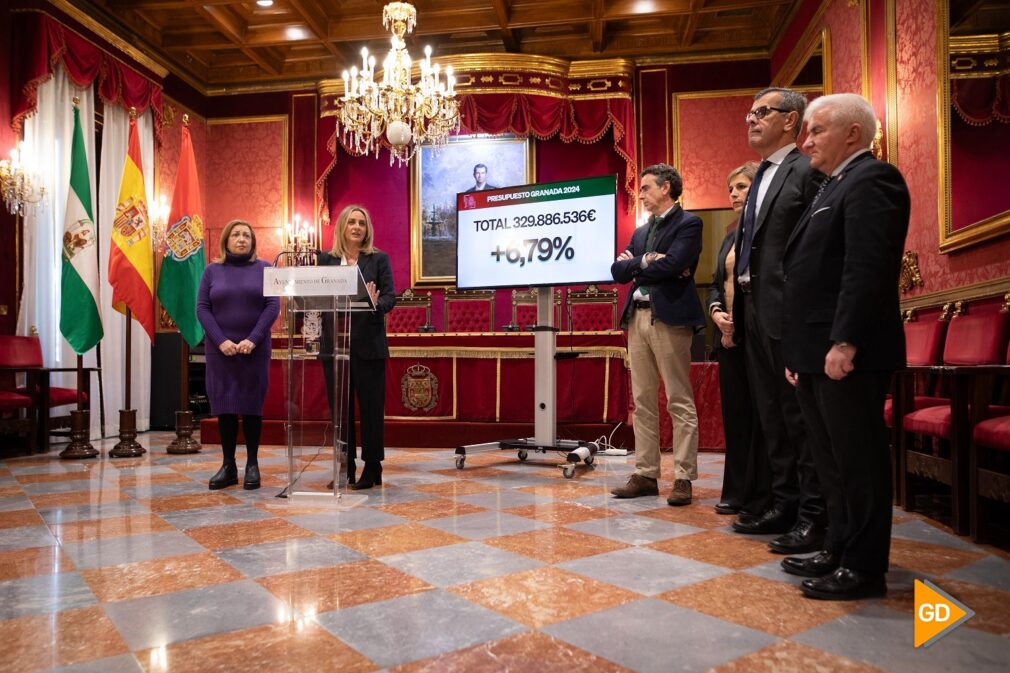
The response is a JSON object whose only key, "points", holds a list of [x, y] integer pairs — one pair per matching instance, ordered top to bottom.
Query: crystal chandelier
{"points": [[407, 114], [20, 184]]}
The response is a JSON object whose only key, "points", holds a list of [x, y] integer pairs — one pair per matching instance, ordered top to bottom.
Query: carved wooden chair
{"points": [[469, 310], [524, 310], [592, 310], [411, 314]]}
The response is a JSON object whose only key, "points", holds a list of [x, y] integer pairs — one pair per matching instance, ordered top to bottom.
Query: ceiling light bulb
{"points": [[265, 3]]}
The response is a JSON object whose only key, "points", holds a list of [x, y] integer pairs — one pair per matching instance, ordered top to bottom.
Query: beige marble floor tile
{"points": [[411, 457], [196, 466], [471, 472], [48, 478], [141, 480], [451, 489], [566, 489], [70, 498], [175, 503], [421, 510], [561, 513], [696, 514], [19, 518], [96, 529], [231, 535], [395, 539], [555, 545], [722, 549], [929, 559], [34, 561], [159, 576], [323, 589], [544, 596], [991, 605], [774, 607], [48, 641], [293, 647], [527, 652], [789, 657]]}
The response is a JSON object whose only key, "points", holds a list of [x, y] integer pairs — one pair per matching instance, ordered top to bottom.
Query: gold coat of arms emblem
{"points": [[419, 388]]}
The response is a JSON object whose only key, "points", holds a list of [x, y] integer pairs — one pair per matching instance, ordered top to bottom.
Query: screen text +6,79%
{"points": [[544, 249]]}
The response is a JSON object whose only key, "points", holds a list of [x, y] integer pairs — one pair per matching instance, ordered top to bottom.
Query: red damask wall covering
{"points": [[846, 29], [918, 156]]}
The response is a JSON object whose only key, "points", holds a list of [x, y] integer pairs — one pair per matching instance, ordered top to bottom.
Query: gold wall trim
{"points": [[110, 37], [864, 47], [800, 53], [749, 55], [891, 55], [988, 289], [497, 391]]}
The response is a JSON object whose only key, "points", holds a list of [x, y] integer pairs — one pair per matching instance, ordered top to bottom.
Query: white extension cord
{"points": [[607, 448]]}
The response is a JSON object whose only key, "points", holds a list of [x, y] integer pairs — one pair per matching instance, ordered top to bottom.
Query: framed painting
{"points": [[467, 163]]}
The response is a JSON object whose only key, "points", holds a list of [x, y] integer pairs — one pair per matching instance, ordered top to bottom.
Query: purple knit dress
{"points": [[231, 305]]}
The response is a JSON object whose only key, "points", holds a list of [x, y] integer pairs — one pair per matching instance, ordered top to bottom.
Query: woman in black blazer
{"points": [[353, 244], [737, 411]]}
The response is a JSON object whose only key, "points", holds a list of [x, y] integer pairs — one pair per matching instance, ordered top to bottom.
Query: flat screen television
{"points": [[547, 234]]}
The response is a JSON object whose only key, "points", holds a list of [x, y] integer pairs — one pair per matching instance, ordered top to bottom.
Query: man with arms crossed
{"points": [[662, 314], [842, 339], [782, 495]]}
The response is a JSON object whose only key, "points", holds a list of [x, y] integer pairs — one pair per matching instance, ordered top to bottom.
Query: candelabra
{"points": [[406, 114], [20, 185]]}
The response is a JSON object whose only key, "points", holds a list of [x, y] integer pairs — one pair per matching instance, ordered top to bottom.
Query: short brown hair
{"points": [[748, 170], [226, 232]]}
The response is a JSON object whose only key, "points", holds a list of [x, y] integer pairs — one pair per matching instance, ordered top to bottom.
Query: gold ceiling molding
{"points": [[116, 41], [749, 55], [988, 289]]}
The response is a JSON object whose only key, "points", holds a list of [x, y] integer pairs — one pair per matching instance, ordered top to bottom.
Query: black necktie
{"points": [[820, 190], [749, 219]]}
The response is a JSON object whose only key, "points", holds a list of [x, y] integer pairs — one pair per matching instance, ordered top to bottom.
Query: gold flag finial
{"points": [[77, 101], [133, 112], [185, 120]]}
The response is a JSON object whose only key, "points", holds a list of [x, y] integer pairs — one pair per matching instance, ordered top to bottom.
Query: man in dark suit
{"points": [[480, 179], [662, 314], [842, 340], [788, 501]]}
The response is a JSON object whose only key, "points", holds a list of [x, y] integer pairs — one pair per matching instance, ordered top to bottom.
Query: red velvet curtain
{"points": [[43, 43], [982, 101], [573, 119]]}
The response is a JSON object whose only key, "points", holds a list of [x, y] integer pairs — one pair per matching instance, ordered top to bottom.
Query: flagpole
{"points": [[80, 418], [128, 447]]}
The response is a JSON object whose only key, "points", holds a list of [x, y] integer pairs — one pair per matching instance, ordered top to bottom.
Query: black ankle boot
{"points": [[351, 469], [371, 475], [225, 477], [252, 478]]}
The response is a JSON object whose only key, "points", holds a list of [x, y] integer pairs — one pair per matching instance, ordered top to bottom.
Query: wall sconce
{"points": [[20, 184], [159, 222]]}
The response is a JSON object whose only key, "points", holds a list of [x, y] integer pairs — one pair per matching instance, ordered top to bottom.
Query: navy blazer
{"points": [[841, 271], [674, 297], [368, 329]]}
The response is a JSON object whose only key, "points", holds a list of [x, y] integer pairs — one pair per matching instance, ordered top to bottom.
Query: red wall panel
{"points": [[711, 141]]}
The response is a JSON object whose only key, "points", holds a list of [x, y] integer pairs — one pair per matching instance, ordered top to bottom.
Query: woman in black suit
{"points": [[353, 244], [737, 411]]}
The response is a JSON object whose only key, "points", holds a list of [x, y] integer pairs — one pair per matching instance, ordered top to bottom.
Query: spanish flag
{"points": [[131, 264]]}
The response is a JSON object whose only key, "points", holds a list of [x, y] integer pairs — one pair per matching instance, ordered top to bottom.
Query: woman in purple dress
{"points": [[237, 318]]}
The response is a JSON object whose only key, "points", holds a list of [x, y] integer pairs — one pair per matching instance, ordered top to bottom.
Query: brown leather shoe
{"points": [[637, 487], [681, 494]]}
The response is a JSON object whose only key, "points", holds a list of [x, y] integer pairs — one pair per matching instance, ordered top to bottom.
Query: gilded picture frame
{"points": [[437, 175]]}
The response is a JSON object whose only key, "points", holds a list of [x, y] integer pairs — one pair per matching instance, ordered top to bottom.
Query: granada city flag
{"points": [[184, 258], [131, 267], [80, 320]]}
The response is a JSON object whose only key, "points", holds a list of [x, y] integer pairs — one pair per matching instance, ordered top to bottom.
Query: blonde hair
{"points": [[226, 232], [367, 247]]}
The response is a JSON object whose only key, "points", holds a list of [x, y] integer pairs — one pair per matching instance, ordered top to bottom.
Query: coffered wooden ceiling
{"points": [[224, 44]]}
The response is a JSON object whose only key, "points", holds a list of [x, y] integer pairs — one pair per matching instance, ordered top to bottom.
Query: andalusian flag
{"points": [[184, 258], [131, 272], [80, 321]]}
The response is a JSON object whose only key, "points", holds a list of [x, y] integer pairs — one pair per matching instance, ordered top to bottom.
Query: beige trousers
{"points": [[660, 351]]}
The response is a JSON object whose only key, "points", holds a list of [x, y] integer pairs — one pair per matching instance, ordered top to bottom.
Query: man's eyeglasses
{"points": [[762, 112]]}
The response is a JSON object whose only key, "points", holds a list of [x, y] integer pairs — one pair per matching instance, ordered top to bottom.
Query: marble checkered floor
{"points": [[133, 565]]}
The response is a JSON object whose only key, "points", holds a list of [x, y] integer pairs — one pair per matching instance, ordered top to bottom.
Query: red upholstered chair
{"points": [[524, 309], [469, 310], [592, 310], [411, 314], [924, 341], [24, 354], [935, 439], [989, 462]]}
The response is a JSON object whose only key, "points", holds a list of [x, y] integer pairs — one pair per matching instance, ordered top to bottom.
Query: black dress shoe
{"points": [[371, 475], [225, 477], [251, 481], [726, 508], [775, 520], [804, 538], [818, 565], [845, 585]]}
